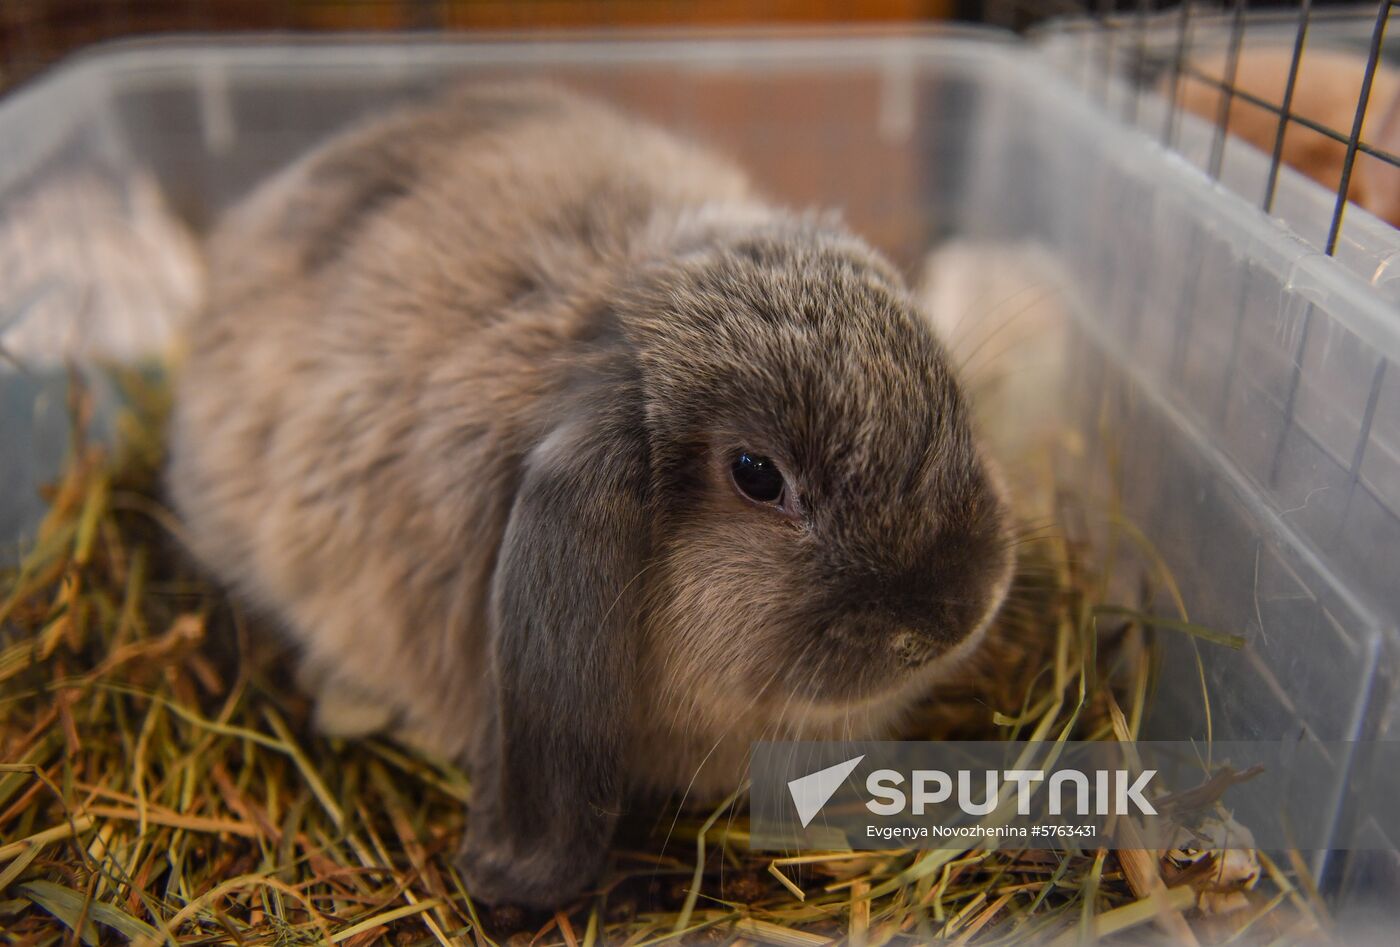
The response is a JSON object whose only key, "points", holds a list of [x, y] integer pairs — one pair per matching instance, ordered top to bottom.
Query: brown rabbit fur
{"points": [[461, 416]]}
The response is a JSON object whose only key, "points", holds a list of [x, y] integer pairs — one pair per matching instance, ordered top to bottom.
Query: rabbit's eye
{"points": [[758, 478]]}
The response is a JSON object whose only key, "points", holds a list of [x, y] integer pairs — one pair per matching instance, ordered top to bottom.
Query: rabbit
{"points": [[1326, 91], [1003, 309], [560, 452]]}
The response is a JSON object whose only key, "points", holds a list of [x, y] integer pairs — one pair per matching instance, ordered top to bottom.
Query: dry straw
{"points": [[160, 783]]}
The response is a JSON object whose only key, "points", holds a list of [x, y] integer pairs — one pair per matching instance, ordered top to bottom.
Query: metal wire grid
{"points": [[1122, 34], [1350, 138]]}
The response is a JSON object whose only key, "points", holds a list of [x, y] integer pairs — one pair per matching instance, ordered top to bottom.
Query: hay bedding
{"points": [[160, 782]]}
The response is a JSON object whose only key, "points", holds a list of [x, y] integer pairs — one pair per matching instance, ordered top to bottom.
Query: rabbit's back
{"points": [[389, 321]]}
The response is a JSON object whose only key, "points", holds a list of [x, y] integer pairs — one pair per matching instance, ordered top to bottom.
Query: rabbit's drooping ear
{"points": [[547, 781]]}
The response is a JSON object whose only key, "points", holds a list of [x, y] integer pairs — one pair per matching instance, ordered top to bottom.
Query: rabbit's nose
{"points": [[911, 639], [912, 648]]}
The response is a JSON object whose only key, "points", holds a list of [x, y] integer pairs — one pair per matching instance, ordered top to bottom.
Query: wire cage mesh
{"points": [[1310, 85]]}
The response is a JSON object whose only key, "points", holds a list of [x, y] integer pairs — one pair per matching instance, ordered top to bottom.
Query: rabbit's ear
{"points": [[548, 783]]}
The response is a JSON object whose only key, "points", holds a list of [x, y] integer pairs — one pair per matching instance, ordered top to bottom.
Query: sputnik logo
{"points": [[811, 792]]}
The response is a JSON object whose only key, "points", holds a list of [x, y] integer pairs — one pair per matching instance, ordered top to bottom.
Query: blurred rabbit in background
{"points": [[1326, 92]]}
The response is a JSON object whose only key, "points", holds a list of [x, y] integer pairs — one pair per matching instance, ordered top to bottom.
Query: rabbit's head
{"points": [[765, 484], [827, 525]]}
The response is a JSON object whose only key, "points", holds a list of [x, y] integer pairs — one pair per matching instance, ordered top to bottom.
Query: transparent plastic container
{"points": [[1233, 390]]}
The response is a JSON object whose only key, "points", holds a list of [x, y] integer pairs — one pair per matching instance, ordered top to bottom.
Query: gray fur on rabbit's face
{"points": [[461, 416]]}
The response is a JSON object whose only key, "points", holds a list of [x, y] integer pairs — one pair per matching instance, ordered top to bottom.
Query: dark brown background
{"points": [[33, 33]]}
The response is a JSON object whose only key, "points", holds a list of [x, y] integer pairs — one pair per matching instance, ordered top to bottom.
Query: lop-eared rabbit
{"points": [[559, 452]]}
